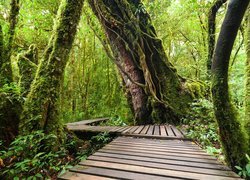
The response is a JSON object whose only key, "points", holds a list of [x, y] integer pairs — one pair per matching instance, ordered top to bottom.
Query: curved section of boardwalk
{"points": [[146, 131], [139, 158]]}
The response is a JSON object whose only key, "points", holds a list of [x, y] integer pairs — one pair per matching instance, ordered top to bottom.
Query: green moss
{"points": [[27, 63], [41, 107]]}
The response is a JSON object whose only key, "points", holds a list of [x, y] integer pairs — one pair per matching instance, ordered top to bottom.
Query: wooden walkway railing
{"points": [[162, 155]]}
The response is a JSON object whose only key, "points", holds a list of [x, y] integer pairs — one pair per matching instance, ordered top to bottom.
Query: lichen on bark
{"points": [[27, 64], [41, 109]]}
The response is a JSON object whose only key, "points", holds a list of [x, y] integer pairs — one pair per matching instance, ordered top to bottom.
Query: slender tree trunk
{"points": [[211, 31], [5, 64], [247, 83], [153, 85], [10, 104], [40, 109], [231, 132]]}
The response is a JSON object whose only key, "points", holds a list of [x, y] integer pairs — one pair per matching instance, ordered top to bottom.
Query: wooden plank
{"points": [[88, 121], [122, 128], [128, 129], [133, 129], [145, 129], [139, 130], [150, 130], [156, 130], [163, 130], [169, 130], [177, 132], [156, 137], [157, 141], [178, 147], [156, 148], [163, 151], [160, 153], [168, 157], [164, 161], [164, 166], [153, 171], [119, 174], [80, 176]]}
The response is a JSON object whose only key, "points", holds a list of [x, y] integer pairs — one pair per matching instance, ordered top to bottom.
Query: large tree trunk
{"points": [[211, 31], [153, 85], [41, 108], [231, 132]]}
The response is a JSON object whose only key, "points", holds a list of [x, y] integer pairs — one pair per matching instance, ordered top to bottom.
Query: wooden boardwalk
{"points": [[154, 152], [138, 158]]}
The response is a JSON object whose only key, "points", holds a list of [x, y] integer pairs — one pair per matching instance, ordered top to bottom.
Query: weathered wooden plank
{"points": [[88, 121], [122, 128], [128, 129], [133, 129], [145, 129], [139, 130], [150, 130], [157, 130], [163, 130], [169, 130], [176, 131], [156, 137], [156, 141], [170, 146], [162, 151], [190, 156], [168, 157], [164, 161], [164, 166], [154, 171], [119, 174], [80, 176]]}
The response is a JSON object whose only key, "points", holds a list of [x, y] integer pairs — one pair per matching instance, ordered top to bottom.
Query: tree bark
{"points": [[211, 31], [5, 61], [247, 76], [156, 90], [41, 108], [231, 132]]}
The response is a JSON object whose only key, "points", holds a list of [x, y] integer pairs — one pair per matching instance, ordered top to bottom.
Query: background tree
{"points": [[211, 30], [40, 109], [231, 132]]}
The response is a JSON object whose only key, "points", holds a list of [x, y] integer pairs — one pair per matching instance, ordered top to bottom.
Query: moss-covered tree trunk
{"points": [[211, 31], [7, 42], [247, 76], [157, 92], [10, 106], [41, 107], [232, 136]]}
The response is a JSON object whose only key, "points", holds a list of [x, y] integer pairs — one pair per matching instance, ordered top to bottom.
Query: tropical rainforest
{"points": [[181, 62]]}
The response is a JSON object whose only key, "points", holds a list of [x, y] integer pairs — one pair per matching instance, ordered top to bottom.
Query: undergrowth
{"points": [[200, 125], [29, 157]]}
